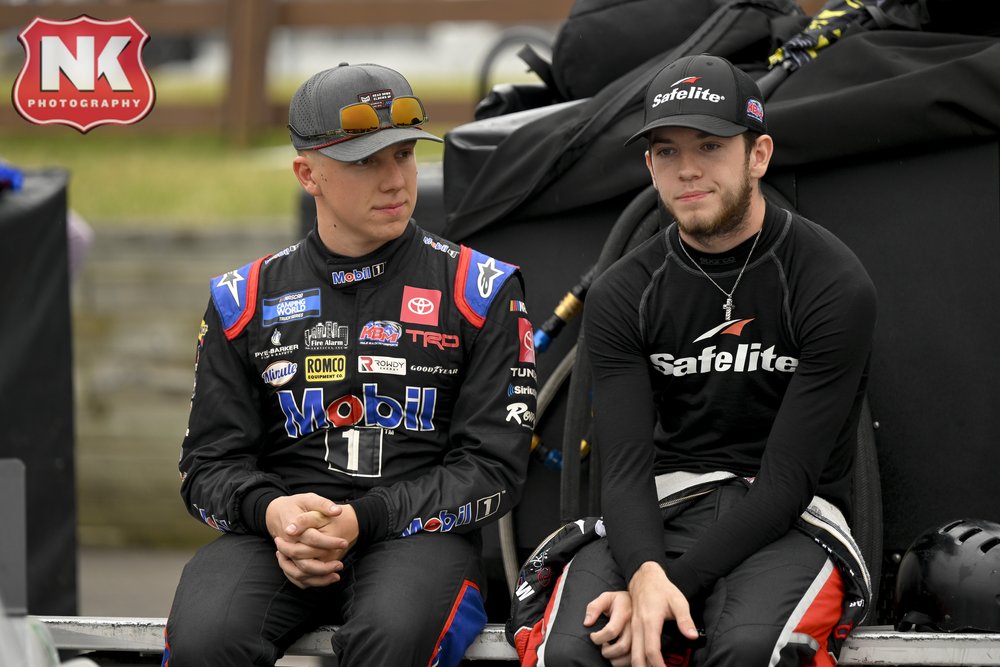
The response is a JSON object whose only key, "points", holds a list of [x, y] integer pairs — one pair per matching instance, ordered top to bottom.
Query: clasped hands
{"points": [[312, 535], [635, 618]]}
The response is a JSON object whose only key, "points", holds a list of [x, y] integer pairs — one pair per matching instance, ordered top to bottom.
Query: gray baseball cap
{"points": [[314, 111]]}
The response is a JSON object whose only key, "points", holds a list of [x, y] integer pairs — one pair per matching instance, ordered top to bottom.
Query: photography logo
{"points": [[83, 73]]}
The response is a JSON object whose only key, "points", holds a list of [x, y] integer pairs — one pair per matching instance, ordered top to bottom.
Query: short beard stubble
{"points": [[735, 206]]}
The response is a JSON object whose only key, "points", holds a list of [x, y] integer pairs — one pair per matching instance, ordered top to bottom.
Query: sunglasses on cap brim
{"points": [[362, 118]]}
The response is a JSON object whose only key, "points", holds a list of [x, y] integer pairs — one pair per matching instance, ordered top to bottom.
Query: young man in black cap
{"points": [[730, 356], [363, 407]]}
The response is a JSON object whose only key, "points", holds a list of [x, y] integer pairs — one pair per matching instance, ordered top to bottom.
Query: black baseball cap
{"points": [[705, 93], [315, 109]]}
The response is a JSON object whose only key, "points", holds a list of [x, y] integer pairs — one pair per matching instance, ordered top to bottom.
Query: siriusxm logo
{"points": [[357, 275]]}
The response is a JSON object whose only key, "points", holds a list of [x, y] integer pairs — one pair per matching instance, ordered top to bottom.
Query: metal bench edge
{"points": [[140, 635], [869, 645]]}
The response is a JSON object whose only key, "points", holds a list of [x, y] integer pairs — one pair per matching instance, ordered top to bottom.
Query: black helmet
{"points": [[949, 579]]}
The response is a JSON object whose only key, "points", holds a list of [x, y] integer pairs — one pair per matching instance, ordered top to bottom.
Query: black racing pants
{"points": [[407, 601], [776, 608]]}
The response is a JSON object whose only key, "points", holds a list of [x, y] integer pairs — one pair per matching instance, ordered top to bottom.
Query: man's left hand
{"points": [[615, 638]]}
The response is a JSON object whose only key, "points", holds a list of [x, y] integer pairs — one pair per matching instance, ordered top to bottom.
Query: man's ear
{"points": [[760, 155], [649, 166], [302, 167]]}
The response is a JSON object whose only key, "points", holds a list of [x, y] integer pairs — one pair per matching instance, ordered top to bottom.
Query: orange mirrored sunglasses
{"points": [[362, 118]]}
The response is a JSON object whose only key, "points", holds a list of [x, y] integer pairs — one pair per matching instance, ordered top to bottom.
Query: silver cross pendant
{"points": [[728, 307]]}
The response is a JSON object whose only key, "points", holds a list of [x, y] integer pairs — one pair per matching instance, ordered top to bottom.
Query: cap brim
{"points": [[709, 124], [364, 145]]}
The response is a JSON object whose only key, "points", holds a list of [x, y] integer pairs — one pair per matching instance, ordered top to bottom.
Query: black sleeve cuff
{"points": [[253, 508], [373, 519], [632, 562], [683, 577]]}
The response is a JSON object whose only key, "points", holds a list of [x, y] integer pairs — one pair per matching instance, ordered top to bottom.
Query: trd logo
{"points": [[83, 73], [433, 339]]}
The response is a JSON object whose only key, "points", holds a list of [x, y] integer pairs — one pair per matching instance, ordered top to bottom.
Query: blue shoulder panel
{"points": [[479, 279], [229, 293]]}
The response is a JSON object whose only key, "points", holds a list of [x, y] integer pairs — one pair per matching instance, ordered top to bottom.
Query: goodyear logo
{"points": [[326, 368]]}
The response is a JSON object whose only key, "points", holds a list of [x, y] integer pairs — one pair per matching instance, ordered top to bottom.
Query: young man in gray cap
{"points": [[730, 357], [363, 407]]}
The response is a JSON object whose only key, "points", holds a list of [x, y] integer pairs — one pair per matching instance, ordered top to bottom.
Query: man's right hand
{"points": [[310, 545], [655, 600]]}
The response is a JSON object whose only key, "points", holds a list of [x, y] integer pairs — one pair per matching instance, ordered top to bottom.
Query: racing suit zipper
{"points": [[670, 502]]}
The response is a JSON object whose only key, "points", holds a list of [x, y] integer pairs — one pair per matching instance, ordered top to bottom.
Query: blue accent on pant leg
{"points": [[468, 622]]}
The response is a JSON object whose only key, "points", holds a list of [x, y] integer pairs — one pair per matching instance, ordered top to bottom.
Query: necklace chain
{"points": [[728, 305]]}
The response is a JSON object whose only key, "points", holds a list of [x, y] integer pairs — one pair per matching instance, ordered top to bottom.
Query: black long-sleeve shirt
{"points": [[401, 381], [772, 393]]}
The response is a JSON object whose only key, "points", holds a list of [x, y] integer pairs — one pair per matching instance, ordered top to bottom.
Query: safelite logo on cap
{"points": [[83, 73], [688, 91]]}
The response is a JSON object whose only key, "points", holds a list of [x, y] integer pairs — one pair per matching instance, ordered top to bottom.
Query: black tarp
{"points": [[884, 90], [870, 92], [574, 156], [36, 381]]}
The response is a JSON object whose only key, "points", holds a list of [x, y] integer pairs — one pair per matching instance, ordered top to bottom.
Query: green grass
{"points": [[131, 176], [185, 179], [188, 179]]}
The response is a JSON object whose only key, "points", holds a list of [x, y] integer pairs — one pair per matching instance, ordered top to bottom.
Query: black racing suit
{"points": [[401, 382], [770, 394]]}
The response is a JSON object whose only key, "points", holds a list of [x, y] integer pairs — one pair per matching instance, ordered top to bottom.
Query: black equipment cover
{"points": [[602, 39], [873, 91], [575, 156]]}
